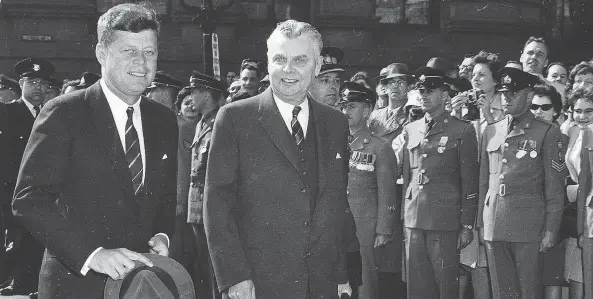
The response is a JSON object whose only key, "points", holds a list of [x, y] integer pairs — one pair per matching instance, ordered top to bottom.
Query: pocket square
{"points": [[338, 156], [164, 157]]}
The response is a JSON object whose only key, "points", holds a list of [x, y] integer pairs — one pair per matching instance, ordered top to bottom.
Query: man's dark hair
{"points": [[126, 17], [489, 59], [250, 67], [547, 90], [183, 93], [241, 95]]}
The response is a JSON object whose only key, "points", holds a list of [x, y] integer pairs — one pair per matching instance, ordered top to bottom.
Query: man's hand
{"points": [[458, 101], [466, 236], [381, 240], [580, 241], [548, 242], [158, 245], [116, 263], [344, 288], [242, 290]]}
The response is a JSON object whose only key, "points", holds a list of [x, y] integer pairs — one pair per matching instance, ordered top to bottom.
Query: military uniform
{"points": [[16, 123], [522, 174], [372, 193]]}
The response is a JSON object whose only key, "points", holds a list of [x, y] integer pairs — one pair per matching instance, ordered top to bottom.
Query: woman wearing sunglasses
{"points": [[546, 103]]}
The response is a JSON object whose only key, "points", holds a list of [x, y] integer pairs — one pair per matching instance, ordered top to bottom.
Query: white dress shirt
{"points": [[31, 107], [118, 109], [286, 112]]}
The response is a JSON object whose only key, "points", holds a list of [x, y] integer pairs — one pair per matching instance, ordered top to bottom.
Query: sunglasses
{"points": [[545, 107]]}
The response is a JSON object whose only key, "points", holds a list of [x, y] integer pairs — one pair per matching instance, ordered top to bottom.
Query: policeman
{"points": [[325, 88], [9, 89], [164, 89], [209, 95], [16, 122], [388, 122], [440, 169], [371, 183], [521, 190]]}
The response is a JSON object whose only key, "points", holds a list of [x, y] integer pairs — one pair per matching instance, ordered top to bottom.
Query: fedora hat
{"points": [[396, 70], [167, 279]]}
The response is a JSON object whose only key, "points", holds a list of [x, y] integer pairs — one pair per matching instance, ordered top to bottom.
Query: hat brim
{"points": [[329, 68], [396, 76], [181, 278]]}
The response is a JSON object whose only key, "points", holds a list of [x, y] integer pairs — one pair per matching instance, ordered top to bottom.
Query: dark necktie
{"points": [[37, 109], [430, 124], [297, 130], [133, 155], [585, 174]]}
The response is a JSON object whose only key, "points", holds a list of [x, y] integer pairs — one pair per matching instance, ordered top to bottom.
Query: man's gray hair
{"points": [[126, 17], [292, 29]]}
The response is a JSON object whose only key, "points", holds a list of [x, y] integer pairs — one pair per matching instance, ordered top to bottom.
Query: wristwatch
{"points": [[468, 226]]}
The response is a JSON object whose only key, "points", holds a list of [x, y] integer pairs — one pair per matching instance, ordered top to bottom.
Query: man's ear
{"points": [[100, 53], [318, 64], [21, 82]]}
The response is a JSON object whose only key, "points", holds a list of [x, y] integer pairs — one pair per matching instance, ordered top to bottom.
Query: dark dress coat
{"points": [[75, 194], [258, 219]]}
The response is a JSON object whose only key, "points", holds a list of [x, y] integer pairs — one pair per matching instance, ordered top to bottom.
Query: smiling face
{"points": [[534, 58], [129, 63], [292, 66], [482, 78], [249, 81], [325, 88], [583, 112]]}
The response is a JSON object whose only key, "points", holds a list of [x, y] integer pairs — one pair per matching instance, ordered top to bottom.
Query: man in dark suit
{"points": [[16, 121], [97, 181], [275, 196]]}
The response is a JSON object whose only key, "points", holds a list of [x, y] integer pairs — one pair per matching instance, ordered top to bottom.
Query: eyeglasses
{"points": [[391, 83], [544, 107]]}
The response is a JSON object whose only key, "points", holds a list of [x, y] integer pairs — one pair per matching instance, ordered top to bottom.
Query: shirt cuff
{"points": [[166, 237], [85, 268]]}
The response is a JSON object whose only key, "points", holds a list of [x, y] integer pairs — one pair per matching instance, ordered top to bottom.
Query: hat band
{"points": [[160, 273]]}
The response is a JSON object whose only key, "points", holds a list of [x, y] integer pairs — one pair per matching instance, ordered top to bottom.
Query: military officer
{"points": [[325, 88], [9, 89], [164, 89], [209, 95], [16, 122], [388, 122], [440, 170], [522, 176], [371, 183]]}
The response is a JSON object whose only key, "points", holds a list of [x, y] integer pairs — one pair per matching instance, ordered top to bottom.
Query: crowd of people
{"points": [[288, 180]]}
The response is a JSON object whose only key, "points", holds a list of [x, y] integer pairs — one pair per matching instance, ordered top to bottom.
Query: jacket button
{"points": [[424, 155], [504, 160], [423, 171], [421, 187]]}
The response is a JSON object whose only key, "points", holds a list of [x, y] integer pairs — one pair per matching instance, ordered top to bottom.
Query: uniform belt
{"points": [[422, 179], [505, 189]]}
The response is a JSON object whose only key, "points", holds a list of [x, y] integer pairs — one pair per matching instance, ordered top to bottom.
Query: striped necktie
{"points": [[297, 130], [133, 155]]}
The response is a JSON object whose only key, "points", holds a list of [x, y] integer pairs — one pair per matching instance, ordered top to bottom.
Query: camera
{"points": [[473, 112]]}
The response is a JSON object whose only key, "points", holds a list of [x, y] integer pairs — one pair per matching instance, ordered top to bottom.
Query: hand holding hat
{"points": [[158, 245], [116, 263]]}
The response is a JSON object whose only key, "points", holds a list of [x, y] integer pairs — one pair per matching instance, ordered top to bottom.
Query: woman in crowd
{"points": [[581, 76], [578, 158]]}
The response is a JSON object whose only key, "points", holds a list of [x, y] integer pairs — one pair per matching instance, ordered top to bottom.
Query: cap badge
{"points": [[329, 60], [36, 67], [422, 78], [507, 80], [345, 92]]}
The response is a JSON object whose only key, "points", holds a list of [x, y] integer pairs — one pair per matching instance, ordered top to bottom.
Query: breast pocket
{"points": [[413, 147], [494, 156]]}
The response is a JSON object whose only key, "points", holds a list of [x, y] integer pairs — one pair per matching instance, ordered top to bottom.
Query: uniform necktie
{"points": [[37, 109], [430, 124], [297, 130], [133, 155]]}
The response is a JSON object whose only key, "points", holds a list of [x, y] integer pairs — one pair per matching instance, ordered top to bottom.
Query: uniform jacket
{"points": [[16, 122], [385, 126], [187, 131], [200, 149], [440, 174], [522, 176], [74, 192], [257, 216]]}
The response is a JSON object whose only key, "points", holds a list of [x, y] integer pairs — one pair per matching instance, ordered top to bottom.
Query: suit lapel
{"points": [[274, 125], [320, 126], [149, 129], [109, 137]]}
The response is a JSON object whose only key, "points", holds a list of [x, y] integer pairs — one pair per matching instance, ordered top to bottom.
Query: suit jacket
{"points": [[16, 122], [385, 126], [440, 174], [522, 174], [74, 192], [257, 215]]}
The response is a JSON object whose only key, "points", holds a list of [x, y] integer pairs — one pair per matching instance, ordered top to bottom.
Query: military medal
{"points": [[442, 144], [533, 146], [522, 150], [362, 161]]}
